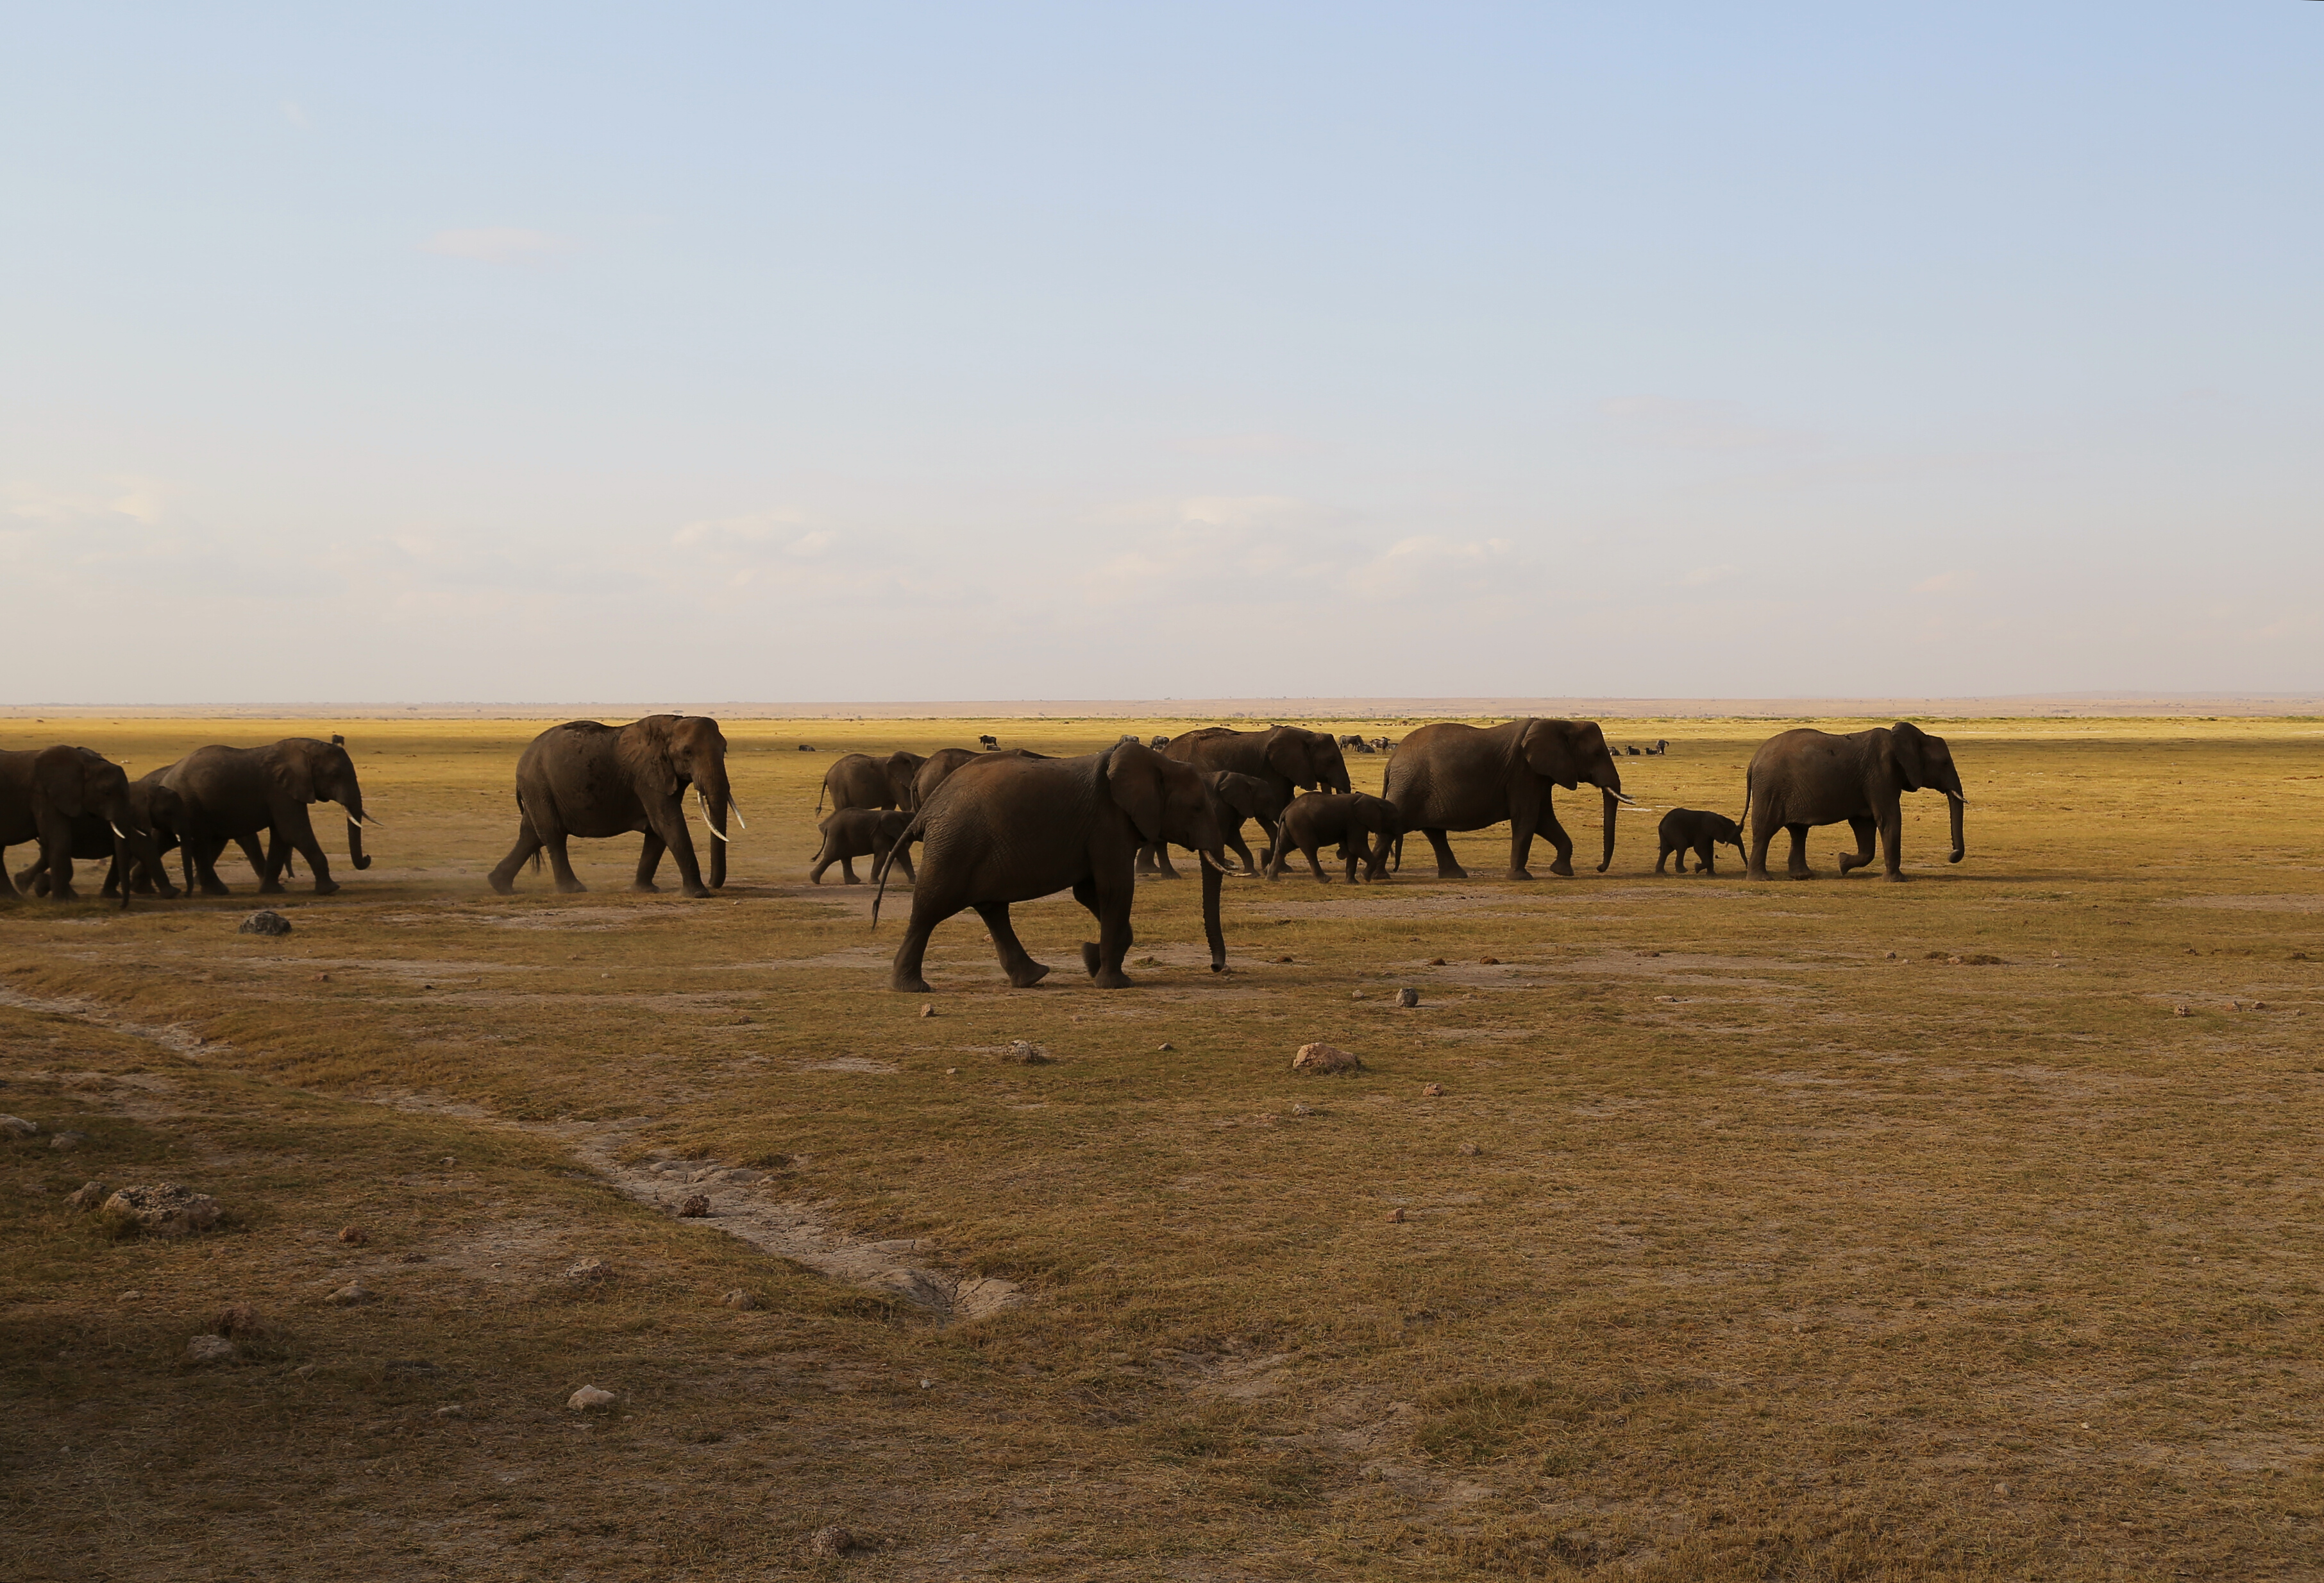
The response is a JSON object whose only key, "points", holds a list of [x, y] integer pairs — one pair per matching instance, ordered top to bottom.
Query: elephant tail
{"points": [[821, 792], [1746, 801], [912, 833]]}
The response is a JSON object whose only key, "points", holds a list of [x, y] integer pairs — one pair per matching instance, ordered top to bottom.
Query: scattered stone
{"points": [[264, 921], [2298, 956], [1283, 958], [1889, 958], [1436, 961], [1495, 961], [322, 977], [1358, 996], [1408, 998], [1667, 999], [2259, 1005], [927, 1011], [2180, 1012], [1165, 1044], [1025, 1053], [1324, 1058], [951, 1071], [1432, 1091], [1302, 1108], [16, 1126], [67, 1140], [1470, 1150], [449, 1163], [86, 1196], [695, 1207], [168, 1210], [1396, 1216], [353, 1236], [415, 1258], [588, 1271], [353, 1294], [131, 1296], [740, 1301], [203, 1350], [587, 1397], [453, 1411], [831, 1541]]}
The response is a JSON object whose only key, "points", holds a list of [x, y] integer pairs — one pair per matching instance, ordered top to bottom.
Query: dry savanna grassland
{"points": [[1689, 1228]]}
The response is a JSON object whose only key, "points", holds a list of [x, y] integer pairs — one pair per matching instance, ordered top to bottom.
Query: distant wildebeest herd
{"points": [[996, 826]]}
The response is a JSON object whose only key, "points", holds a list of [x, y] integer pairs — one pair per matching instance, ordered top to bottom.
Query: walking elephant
{"points": [[1290, 759], [939, 766], [1455, 777], [1808, 777], [587, 778], [862, 780], [235, 794], [55, 796], [1235, 798], [159, 815], [1352, 820], [1003, 830], [862, 832]]}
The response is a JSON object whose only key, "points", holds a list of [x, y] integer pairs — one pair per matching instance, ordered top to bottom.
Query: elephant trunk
{"points": [[716, 799], [1613, 801], [1960, 849], [355, 853], [1213, 878]]}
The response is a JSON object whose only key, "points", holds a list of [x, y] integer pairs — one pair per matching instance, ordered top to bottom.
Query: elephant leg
{"points": [[670, 824], [301, 833], [1892, 843], [1308, 850], [1662, 855], [1705, 856], [56, 858], [892, 858], [1861, 858], [1154, 859], [205, 860], [649, 861], [822, 862], [1562, 864], [560, 865], [1755, 865], [1796, 866], [1163, 867], [1446, 867], [847, 870], [503, 879], [269, 884], [929, 910], [1103, 957], [1015, 961]]}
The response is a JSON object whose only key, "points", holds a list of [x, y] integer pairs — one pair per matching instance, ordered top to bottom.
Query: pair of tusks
{"points": [[732, 807], [358, 818], [1221, 867]]}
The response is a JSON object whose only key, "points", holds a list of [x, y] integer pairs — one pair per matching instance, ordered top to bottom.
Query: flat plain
{"points": [[1963, 1228]]}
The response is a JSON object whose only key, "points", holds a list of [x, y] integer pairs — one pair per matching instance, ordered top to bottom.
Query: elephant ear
{"points": [[1908, 751], [1546, 752], [1289, 755], [655, 762], [293, 768], [1133, 778], [64, 782]]}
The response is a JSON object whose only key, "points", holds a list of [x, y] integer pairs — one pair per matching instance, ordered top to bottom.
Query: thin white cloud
{"points": [[503, 245]]}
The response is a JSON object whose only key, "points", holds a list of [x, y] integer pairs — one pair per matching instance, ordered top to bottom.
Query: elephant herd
{"points": [[995, 827]]}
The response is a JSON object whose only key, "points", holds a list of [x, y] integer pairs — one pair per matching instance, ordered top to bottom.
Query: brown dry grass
{"points": [[1774, 1257]]}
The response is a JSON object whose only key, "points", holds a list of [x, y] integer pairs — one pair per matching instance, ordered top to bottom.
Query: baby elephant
{"points": [[1350, 817], [1685, 827], [863, 832]]}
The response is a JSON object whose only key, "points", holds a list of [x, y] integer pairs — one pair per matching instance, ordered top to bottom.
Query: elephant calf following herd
{"points": [[996, 826]]}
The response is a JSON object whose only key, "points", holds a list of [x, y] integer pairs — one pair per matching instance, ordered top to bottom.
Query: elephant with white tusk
{"points": [[1289, 758], [1456, 777], [1808, 777], [586, 779], [233, 793], [75, 802], [1002, 830]]}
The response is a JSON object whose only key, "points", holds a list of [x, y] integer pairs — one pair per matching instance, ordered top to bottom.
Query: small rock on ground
{"points": [[264, 921], [1408, 998], [927, 1011], [1025, 1053], [1324, 1058], [1434, 1091], [16, 1126], [67, 1140], [1470, 1149], [88, 1196], [695, 1206], [168, 1210], [1396, 1216], [353, 1236], [588, 1271], [352, 1294], [740, 1301], [238, 1319], [210, 1350], [587, 1397], [453, 1411], [832, 1540]]}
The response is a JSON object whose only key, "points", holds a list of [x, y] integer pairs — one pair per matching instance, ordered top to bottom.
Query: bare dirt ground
{"points": [[1963, 1228]]}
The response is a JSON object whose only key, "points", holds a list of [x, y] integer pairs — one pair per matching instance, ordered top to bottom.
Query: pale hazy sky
{"points": [[886, 351]]}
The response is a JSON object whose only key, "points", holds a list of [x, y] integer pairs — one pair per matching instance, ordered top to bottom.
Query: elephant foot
{"points": [[1562, 868], [1454, 871], [1518, 873], [1896, 879], [851, 880], [502, 885], [211, 887], [270, 887], [327, 887], [644, 887], [571, 888], [698, 892], [1089, 958], [1027, 976], [1112, 978], [902, 985]]}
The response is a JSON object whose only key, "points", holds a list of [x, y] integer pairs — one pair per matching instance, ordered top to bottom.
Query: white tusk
{"points": [[704, 804], [118, 830], [714, 830], [1215, 862]]}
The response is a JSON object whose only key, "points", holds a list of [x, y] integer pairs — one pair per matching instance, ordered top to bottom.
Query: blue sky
{"points": [[889, 352]]}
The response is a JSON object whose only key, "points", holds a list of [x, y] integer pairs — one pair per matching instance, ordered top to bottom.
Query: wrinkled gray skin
{"points": [[1289, 758], [939, 766], [1455, 777], [1806, 777], [586, 779], [860, 779], [233, 793], [52, 795], [1236, 797], [158, 813], [1361, 825], [1006, 829], [1691, 829], [862, 832]]}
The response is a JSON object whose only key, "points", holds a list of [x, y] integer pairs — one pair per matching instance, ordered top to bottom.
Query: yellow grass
{"points": [[1736, 1247]]}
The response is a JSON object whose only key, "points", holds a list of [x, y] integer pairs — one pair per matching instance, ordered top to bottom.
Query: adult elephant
{"points": [[1290, 759], [938, 767], [1455, 777], [1808, 777], [584, 778], [860, 779], [235, 794], [52, 795], [1236, 799], [158, 815], [1006, 829]]}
